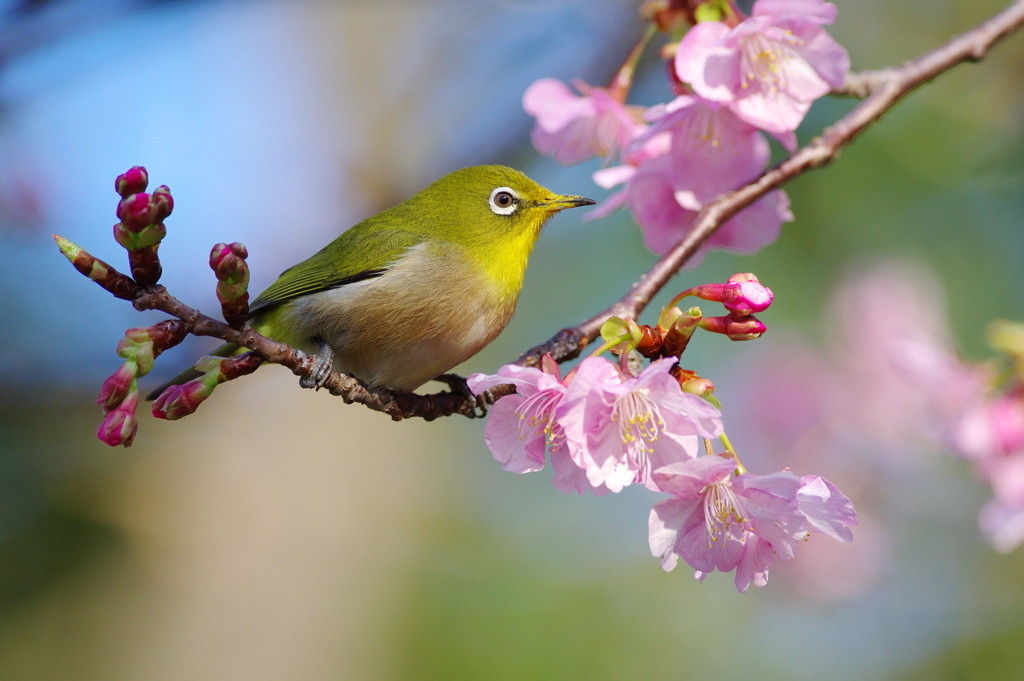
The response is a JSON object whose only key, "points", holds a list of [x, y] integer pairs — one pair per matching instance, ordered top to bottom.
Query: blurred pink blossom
{"points": [[770, 67], [574, 128], [888, 393], [993, 435]]}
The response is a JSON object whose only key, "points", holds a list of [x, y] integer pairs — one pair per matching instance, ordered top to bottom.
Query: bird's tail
{"points": [[226, 350]]}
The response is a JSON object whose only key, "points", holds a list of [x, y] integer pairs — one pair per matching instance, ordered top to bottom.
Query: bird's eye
{"points": [[504, 201]]}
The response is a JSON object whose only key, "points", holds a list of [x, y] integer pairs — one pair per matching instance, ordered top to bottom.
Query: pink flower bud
{"points": [[132, 182], [162, 203], [136, 212], [228, 261], [228, 264], [742, 295], [736, 327], [143, 345], [698, 386], [116, 387], [181, 400], [120, 425]]}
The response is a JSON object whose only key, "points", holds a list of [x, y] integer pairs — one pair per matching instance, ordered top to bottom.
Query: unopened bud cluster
{"points": [[142, 223], [140, 231], [228, 264], [119, 395], [181, 400]]}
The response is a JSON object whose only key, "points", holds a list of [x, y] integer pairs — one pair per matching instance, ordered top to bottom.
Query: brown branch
{"points": [[883, 89], [395, 404]]}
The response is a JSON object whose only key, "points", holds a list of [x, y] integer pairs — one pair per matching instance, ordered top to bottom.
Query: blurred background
{"points": [[280, 534]]}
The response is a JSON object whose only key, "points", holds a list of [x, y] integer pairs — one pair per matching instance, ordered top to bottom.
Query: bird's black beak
{"points": [[560, 202]]}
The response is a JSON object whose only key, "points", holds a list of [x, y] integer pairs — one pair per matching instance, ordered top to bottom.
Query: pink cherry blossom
{"points": [[770, 67], [574, 128], [710, 152], [521, 426], [619, 428], [714, 521]]}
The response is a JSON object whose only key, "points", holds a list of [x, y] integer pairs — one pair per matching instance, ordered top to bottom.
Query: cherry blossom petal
{"points": [[815, 11], [830, 59], [703, 61], [554, 105], [519, 450], [569, 477], [770, 503], [827, 509], [754, 565]]}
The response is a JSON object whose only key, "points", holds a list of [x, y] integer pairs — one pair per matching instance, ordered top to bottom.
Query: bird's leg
{"points": [[324, 364], [457, 384]]}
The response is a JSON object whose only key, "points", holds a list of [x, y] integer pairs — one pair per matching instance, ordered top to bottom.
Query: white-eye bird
{"points": [[405, 295]]}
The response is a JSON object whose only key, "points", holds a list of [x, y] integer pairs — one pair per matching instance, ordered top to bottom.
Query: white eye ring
{"points": [[496, 196]]}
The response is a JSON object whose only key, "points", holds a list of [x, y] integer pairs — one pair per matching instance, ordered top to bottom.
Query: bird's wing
{"points": [[365, 251]]}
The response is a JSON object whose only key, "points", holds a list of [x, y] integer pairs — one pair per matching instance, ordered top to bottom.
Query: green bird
{"points": [[403, 296]]}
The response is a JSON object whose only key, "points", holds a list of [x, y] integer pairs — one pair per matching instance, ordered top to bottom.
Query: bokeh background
{"points": [[279, 534]]}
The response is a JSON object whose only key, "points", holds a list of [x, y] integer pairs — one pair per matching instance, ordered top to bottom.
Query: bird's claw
{"points": [[321, 370]]}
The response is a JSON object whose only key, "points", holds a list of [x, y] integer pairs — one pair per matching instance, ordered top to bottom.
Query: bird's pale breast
{"points": [[433, 309]]}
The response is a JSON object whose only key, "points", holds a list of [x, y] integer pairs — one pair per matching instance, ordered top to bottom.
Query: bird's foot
{"points": [[322, 369], [457, 384]]}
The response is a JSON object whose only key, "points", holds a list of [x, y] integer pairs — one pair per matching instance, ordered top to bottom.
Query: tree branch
{"points": [[883, 89], [395, 404]]}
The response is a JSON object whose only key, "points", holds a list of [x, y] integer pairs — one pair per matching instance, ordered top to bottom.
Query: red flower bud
{"points": [[132, 182], [162, 203], [136, 212], [232, 272], [742, 295], [736, 327], [144, 344], [690, 382], [116, 387], [182, 400], [120, 425]]}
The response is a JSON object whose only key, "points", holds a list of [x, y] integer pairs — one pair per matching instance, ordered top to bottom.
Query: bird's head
{"points": [[492, 207]]}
